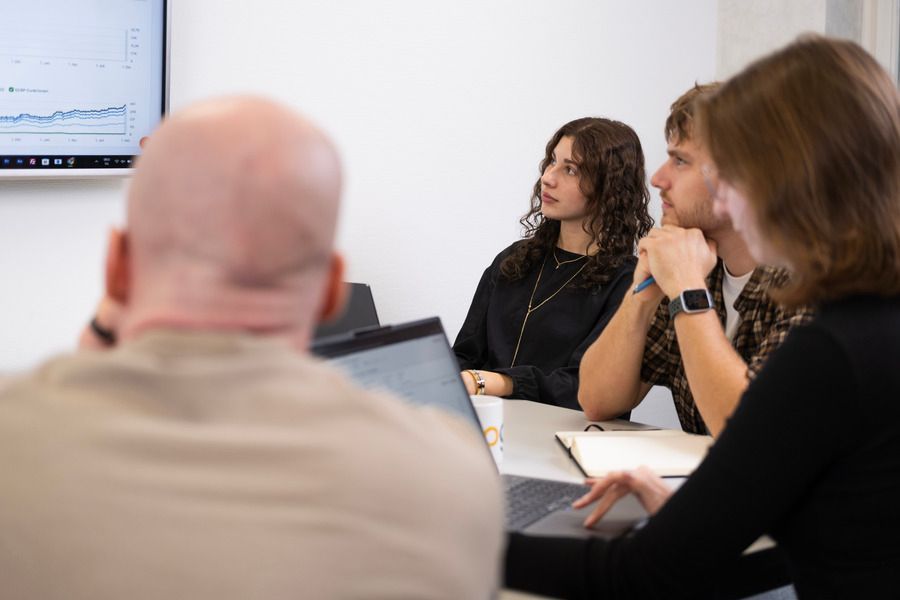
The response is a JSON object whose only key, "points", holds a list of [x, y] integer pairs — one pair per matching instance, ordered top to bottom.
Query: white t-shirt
{"points": [[731, 288]]}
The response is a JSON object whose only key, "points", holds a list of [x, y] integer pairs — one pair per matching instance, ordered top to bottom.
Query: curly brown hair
{"points": [[611, 163]]}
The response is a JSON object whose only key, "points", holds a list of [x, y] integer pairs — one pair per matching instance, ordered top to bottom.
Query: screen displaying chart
{"points": [[81, 84], [112, 120]]}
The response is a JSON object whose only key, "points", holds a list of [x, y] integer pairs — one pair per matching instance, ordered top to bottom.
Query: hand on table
{"points": [[679, 259], [469, 382], [495, 384], [642, 482]]}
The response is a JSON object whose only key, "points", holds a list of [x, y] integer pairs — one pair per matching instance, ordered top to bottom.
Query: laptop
{"points": [[360, 312], [414, 361]]}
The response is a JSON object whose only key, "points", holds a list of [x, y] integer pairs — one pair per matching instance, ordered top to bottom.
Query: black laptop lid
{"points": [[412, 360]]}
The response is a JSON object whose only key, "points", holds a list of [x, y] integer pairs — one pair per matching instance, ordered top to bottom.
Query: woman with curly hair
{"points": [[547, 297]]}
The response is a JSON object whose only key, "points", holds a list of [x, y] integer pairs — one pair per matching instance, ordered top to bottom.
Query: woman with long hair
{"points": [[805, 148], [547, 297]]}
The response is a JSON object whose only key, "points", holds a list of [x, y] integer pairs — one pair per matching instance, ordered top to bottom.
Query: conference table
{"points": [[530, 449]]}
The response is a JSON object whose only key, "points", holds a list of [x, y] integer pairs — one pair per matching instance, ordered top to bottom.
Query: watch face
{"points": [[696, 300]]}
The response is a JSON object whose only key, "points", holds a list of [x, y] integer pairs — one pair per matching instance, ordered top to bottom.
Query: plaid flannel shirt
{"points": [[763, 327]]}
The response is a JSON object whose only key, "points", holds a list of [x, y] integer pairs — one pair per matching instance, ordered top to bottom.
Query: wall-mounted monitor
{"points": [[81, 84]]}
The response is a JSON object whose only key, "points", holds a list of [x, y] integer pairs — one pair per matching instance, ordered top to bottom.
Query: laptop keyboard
{"points": [[529, 499]]}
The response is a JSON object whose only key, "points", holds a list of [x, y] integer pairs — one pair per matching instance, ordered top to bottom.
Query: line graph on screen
{"points": [[84, 82], [111, 120]]}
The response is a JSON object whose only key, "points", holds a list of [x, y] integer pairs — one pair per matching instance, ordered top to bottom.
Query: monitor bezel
{"points": [[13, 173]]}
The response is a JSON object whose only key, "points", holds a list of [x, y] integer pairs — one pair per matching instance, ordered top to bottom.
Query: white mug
{"points": [[490, 414]]}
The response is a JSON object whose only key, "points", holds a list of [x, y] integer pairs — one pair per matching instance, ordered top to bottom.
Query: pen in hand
{"points": [[644, 285]]}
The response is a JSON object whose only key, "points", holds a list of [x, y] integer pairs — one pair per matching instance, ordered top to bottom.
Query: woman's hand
{"points": [[468, 381], [495, 384], [642, 482]]}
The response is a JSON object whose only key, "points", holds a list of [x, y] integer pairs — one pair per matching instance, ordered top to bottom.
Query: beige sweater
{"points": [[227, 466]]}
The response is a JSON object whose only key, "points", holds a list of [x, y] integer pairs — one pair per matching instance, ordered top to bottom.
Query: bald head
{"points": [[243, 186], [232, 200]]}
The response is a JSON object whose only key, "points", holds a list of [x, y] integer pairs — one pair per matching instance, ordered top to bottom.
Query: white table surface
{"points": [[530, 447]]}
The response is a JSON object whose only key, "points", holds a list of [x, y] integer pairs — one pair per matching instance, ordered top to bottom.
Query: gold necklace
{"points": [[560, 263], [543, 302]]}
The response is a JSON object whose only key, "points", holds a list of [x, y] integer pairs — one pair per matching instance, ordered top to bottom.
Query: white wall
{"points": [[748, 30], [441, 109], [52, 238]]}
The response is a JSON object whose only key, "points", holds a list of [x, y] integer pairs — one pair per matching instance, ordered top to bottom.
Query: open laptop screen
{"points": [[412, 360]]}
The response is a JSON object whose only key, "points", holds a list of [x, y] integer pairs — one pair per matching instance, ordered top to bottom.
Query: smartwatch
{"points": [[691, 301]]}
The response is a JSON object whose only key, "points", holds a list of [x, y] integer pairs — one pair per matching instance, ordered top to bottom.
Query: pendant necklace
{"points": [[560, 263], [531, 308]]}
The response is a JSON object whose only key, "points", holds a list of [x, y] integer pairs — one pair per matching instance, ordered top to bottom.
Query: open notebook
{"points": [[667, 452]]}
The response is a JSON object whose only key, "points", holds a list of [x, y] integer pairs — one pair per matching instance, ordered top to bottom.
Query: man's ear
{"points": [[118, 270], [335, 290]]}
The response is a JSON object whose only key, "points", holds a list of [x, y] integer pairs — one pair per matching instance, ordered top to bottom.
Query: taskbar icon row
{"points": [[67, 162]]}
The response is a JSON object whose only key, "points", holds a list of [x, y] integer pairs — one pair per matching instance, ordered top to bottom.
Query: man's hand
{"points": [[679, 259], [651, 294], [642, 482]]}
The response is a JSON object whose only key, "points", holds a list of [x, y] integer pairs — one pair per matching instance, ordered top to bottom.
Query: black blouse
{"points": [[555, 336], [811, 455]]}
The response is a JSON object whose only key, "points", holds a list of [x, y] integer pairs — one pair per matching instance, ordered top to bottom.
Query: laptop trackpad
{"points": [[569, 523]]}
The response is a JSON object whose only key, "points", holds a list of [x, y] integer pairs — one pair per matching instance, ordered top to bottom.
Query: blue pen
{"points": [[644, 285]]}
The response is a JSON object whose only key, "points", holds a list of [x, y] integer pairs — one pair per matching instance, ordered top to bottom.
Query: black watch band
{"points": [[691, 301], [107, 336]]}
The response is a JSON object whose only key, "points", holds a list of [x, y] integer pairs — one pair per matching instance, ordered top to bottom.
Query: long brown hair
{"points": [[811, 134], [611, 163]]}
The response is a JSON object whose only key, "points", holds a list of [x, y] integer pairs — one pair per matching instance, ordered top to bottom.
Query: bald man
{"points": [[205, 455]]}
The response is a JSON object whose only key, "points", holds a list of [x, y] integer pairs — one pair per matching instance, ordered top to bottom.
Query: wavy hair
{"points": [[680, 122], [811, 134], [613, 181]]}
